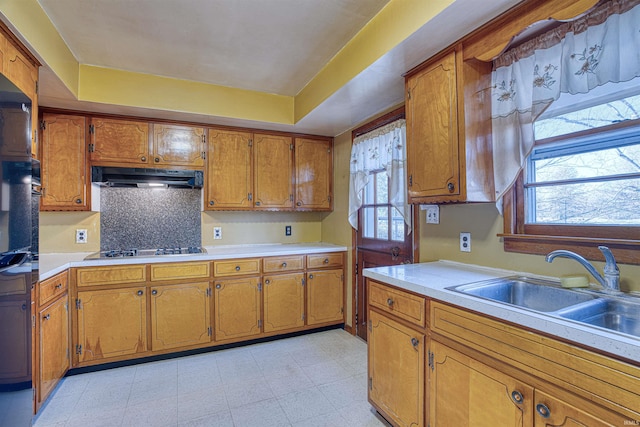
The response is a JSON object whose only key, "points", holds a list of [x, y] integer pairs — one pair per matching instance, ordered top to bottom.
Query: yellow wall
{"points": [[242, 228], [58, 231]]}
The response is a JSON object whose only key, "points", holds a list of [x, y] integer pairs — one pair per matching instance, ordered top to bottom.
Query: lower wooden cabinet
{"points": [[325, 296], [283, 302], [237, 308], [180, 315], [111, 323], [53, 346], [14, 366], [397, 370], [467, 392], [551, 411]]}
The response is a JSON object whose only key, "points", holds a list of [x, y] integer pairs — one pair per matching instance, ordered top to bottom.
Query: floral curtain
{"points": [[601, 47], [380, 149]]}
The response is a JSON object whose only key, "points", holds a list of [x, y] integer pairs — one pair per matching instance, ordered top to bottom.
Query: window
{"points": [[581, 182], [381, 220]]}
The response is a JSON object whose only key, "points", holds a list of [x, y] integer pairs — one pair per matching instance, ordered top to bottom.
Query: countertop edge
{"points": [[54, 263], [443, 274]]}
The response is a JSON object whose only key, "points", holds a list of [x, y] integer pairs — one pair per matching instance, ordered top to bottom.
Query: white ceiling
{"points": [[273, 46]]}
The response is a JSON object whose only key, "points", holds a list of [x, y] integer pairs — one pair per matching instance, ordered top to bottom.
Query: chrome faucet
{"points": [[611, 280]]}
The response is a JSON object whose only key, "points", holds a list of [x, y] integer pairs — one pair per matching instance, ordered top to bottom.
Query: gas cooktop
{"points": [[126, 253]]}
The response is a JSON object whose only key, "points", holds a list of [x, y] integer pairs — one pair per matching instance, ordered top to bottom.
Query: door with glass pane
{"points": [[382, 239]]}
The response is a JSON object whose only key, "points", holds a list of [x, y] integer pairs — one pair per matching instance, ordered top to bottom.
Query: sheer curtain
{"points": [[601, 47], [381, 149]]}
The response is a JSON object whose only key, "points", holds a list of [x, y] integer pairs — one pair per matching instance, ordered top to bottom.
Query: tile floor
{"points": [[310, 380]]}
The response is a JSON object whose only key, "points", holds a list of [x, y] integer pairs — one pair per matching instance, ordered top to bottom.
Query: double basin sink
{"points": [[618, 313]]}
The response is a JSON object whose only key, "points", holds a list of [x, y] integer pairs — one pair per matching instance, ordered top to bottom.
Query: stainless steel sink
{"points": [[533, 294], [615, 314]]}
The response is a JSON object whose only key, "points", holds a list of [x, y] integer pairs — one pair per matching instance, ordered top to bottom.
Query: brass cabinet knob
{"points": [[143, 159], [157, 160], [78, 201], [266, 282], [517, 397], [543, 410]]}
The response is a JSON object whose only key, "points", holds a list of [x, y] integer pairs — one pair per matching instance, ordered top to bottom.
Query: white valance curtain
{"points": [[601, 47], [381, 149]]}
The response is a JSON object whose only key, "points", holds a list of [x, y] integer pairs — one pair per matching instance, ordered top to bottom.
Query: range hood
{"points": [[146, 177]]}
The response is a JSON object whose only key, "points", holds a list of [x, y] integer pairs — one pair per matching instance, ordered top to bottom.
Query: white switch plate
{"points": [[433, 214], [217, 233], [81, 235], [465, 242]]}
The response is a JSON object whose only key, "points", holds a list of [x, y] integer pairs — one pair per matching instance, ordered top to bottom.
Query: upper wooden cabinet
{"points": [[19, 66], [119, 142], [182, 146], [448, 159], [64, 167], [272, 171], [229, 174], [313, 174]]}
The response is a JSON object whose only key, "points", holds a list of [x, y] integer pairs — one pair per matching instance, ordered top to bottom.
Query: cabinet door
{"points": [[119, 141], [178, 146], [64, 164], [433, 167], [273, 171], [229, 172], [314, 174], [325, 295], [283, 302], [237, 308], [180, 315], [112, 323], [53, 346], [14, 366], [396, 370], [467, 392], [553, 412]]}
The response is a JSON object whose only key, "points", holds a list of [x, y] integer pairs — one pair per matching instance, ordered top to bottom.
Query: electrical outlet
{"points": [[433, 214], [287, 230], [217, 233], [81, 236], [465, 242]]}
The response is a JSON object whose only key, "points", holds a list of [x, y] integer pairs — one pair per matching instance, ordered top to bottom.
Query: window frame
{"points": [[540, 239]]}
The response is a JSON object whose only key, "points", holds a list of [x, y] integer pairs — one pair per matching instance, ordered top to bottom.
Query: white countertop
{"points": [[54, 263], [432, 279]]}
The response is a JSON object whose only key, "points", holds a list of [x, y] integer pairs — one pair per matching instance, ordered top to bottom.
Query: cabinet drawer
{"points": [[324, 260], [285, 263], [239, 267], [183, 270], [112, 275], [13, 285], [52, 287], [401, 304]]}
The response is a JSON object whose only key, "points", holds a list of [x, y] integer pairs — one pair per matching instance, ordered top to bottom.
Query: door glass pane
{"points": [[382, 188], [369, 191], [368, 217], [383, 223], [397, 226]]}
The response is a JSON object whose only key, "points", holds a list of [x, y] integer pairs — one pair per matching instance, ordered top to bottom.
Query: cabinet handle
{"points": [[143, 159], [157, 160], [451, 187], [78, 201], [211, 202], [257, 203], [299, 204], [326, 261], [284, 265], [237, 268], [311, 276], [266, 282], [58, 286], [218, 286], [154, 292], [140, 293], [390, 302], [47, 317], [415, 342], [517, 397], [543, 410]]}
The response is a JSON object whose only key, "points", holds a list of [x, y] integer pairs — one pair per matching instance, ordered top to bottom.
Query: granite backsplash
{"points": [[146, 218]]}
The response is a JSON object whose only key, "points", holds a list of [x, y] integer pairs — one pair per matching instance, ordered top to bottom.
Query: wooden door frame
{"points": [[398, 113]]}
